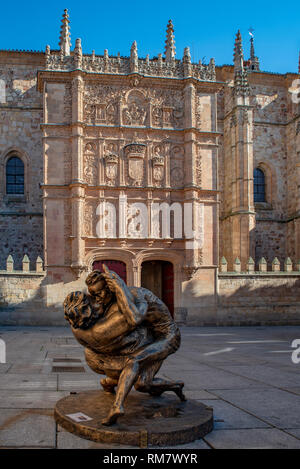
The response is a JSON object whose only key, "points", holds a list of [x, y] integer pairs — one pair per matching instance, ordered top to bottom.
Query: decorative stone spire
{"points": [[65, 36], [170, 43], [78, 54], [47, 55], [186, 55], [238, 56], [134, 60], [253, 61], [187, 63], [241, 85]]}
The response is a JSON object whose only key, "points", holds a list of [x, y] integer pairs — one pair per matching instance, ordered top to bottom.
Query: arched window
{"points": [[14, 176], [259, 185]]}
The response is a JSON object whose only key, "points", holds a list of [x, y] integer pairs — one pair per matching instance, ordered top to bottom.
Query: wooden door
{"points": [[116, 266]]}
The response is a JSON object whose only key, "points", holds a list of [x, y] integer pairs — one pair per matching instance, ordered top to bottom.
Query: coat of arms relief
{"points": [[135, 153]]}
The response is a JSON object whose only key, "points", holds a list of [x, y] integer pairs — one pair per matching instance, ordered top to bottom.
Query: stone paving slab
{"points": [[4, 367], [25, 368], [266, 375], [214, 379], [35, 382], [74, 383], [293, 390], [199, 394], [30, 399], [274, 406], [226, 416], [27, 428], [294, 431], [258, 438], [67, 440]]}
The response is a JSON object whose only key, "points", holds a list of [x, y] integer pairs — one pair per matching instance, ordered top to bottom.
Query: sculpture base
{"points": [[158, 421]]}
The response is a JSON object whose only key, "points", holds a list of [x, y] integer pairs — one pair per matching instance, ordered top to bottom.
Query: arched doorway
{"points": [[117, 266], [158, 276]]}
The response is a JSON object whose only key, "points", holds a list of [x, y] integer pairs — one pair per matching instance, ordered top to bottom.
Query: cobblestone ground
{"points": [[245, 374]]}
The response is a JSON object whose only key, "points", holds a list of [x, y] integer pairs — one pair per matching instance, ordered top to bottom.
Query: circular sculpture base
{"points": [[158, 421]]}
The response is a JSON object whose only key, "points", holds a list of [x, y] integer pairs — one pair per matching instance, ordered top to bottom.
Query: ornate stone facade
{"points": [[142, 160]]}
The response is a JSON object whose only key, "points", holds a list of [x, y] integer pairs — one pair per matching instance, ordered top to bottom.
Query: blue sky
{"points": [[209, 28]]}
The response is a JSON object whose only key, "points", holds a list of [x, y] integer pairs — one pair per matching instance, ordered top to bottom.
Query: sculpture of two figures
{"points": [[127, 333]]}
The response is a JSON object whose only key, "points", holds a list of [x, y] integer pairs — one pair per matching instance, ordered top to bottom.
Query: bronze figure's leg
{"points": [[148, 360], [127, 379], [109, 384], [156, 386]]}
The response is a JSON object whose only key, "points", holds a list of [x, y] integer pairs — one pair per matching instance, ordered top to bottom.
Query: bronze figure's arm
{"points": [[133, 313]]}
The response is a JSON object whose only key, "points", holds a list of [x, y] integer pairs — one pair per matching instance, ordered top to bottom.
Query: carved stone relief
{"points": [[101, 104], [167, 108], [135, 110], [135, 154], [90, 158], [158, 165], [177, 166], [198, 167], [111, 168], [89, 217]]}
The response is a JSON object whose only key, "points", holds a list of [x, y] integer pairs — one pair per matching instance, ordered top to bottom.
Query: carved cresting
{"points": [[158, 67], [135, 153]]}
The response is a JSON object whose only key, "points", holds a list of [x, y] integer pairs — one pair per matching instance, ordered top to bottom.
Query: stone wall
{"points": [[21, 113], [264, 297], [258, 299]]}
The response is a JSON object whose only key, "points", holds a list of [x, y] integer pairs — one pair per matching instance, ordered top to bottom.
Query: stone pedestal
{"points": [[159, 421]]}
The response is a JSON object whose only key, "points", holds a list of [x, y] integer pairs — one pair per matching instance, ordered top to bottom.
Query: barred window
{"points": [[14, 176], [259, 185]]}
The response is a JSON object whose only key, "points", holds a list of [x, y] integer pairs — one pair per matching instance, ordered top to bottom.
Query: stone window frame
{"points": [[10, 152], [259, 185], [270, 186]]}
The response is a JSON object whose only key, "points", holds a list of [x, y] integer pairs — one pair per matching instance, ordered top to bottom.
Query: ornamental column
{"points": [[77, 186]]}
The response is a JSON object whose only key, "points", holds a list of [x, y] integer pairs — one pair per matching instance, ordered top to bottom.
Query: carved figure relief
{"points": [[135, 111], [158, 164], [177, 166], [90, 169], [89, 214]]}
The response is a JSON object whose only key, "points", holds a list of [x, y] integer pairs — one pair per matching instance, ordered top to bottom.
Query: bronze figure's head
{"points": [[98, 288], [79, 311]]}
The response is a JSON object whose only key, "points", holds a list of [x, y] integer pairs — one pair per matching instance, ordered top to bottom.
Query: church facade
{"points": [[183, 178]]}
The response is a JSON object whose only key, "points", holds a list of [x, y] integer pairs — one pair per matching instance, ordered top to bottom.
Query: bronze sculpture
{"points": [[127, 333]]}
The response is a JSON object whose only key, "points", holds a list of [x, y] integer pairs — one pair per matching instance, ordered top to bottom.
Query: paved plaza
{"points": [[245, 373]]}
